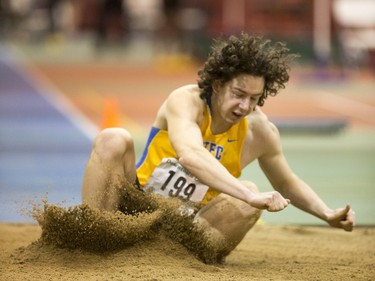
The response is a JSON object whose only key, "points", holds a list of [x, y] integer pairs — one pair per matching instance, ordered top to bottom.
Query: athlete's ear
{"points": [[216, 85]]}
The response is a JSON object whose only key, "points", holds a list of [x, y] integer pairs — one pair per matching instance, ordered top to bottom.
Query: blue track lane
{"points": [[41, 150]]}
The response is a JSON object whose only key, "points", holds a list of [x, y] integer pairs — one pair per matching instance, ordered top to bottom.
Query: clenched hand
{"points": [[271, 201], [342, 218]]}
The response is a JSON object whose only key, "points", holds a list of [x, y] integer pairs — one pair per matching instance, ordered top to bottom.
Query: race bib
{"points": [[170, 179]]}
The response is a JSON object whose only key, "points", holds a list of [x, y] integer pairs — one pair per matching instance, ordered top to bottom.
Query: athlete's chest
{"points": [[223, 145]]}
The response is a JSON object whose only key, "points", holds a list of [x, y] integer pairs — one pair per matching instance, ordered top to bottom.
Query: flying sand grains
{"points": [[142, 216], [90, 229]]}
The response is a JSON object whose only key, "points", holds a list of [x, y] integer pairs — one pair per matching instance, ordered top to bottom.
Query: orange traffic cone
{"points": [[111, 114]]}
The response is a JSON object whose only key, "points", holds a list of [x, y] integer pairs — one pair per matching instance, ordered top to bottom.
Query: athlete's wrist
{"points": [[250, 196]]}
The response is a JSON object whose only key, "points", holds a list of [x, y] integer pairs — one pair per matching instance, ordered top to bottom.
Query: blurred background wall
{"points": [[339, 32]]}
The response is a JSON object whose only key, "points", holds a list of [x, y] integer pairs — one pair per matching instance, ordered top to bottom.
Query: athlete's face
{"points": [[237, 98]]}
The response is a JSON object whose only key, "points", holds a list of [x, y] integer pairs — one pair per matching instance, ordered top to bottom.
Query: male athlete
{"points": [[203, 136]]}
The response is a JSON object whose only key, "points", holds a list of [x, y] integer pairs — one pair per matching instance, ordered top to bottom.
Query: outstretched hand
{"points": [[271, 201], [342, 218]]}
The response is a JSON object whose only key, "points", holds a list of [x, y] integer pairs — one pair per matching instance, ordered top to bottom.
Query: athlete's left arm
{"points": [[284, 180]]}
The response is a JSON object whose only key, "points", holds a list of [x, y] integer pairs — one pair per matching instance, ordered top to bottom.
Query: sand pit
{"points": [[150, 240], [79, 243], [267, 253]]}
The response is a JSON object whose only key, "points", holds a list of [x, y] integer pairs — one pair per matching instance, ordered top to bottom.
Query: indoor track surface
{"points": [[50, 113]]}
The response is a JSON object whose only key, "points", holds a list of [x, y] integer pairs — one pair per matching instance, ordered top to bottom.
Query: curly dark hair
{"points": [[246, 54]]}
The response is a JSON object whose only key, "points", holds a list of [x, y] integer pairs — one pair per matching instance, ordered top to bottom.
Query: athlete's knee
{"points": [[112, 143], [252, 186], [247, 209]]}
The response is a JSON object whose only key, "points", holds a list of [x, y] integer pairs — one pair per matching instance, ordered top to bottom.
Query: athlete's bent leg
{"points": [[111, 159], [229, 217]]}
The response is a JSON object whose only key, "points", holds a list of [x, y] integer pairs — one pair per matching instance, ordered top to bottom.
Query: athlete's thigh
{"points": [[225, 206], [231, 217]]}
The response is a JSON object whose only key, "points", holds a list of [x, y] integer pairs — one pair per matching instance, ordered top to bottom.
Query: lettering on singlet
{"points": [[215, 149], [170, 179]]}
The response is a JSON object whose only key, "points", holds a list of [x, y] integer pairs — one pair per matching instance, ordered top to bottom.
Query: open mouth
{"points": [[237, 115]]}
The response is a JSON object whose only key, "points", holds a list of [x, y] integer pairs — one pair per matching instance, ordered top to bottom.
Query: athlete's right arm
{"points": [[183, 111]]}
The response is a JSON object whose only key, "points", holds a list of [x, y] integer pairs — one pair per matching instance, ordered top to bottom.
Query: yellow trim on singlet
{"points": [[225, 147]]}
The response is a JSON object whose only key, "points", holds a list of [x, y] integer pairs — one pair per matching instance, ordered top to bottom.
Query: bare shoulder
{"points": [[187, 92], [186, 97], [183, 102], [261, 124], [263, 135]]}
